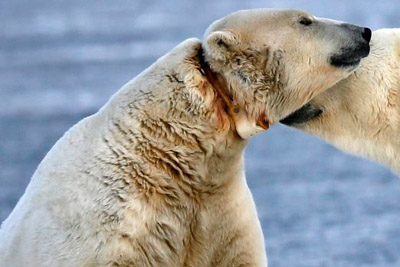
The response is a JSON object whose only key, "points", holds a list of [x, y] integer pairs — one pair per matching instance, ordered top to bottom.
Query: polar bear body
{"points": [[155, 178], [81, 220]]}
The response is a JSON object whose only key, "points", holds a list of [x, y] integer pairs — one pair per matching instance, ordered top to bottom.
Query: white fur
{"points": [[362, 113], [155, 178]]}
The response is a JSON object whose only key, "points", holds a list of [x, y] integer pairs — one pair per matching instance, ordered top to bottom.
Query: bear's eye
{"points": [[305, 21]]}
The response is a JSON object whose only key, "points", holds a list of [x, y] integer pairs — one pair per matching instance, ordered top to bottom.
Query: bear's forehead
{"points": [[264, 14], [249, 21]]}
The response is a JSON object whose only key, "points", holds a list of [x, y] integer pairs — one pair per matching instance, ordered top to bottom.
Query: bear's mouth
{"points": [[350, 57], [345, 63], [303, 115]]}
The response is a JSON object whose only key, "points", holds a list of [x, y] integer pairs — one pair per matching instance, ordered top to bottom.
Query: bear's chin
{"points": [[303, 115]]}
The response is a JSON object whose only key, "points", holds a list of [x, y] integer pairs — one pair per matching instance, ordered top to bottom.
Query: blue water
{"points": [[61, 60]]}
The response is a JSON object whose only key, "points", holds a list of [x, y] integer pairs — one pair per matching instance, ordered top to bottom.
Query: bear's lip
{"points": [[350, 57], [345, 63], [305, 114]]}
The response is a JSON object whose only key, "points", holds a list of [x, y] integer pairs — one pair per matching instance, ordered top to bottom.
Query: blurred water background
{"points": [[61, 60]]}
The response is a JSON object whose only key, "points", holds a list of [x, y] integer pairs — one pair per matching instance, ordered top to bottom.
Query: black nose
{"points": [[367, 34]]}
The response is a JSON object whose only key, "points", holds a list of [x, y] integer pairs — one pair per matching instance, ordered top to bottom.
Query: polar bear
{"points": [[361, 114], [155, 177]]}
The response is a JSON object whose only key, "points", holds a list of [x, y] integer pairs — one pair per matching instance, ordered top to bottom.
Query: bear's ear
{"points": [[220, 43]]}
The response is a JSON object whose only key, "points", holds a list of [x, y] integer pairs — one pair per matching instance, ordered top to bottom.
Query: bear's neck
{"points": [[187, 148], [173, 159]]}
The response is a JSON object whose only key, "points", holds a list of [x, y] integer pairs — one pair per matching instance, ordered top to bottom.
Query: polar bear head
{"points": [[272, 62], [360, 114]]}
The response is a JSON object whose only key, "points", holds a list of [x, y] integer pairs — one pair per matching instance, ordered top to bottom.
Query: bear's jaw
{"points": [[247, 127]]}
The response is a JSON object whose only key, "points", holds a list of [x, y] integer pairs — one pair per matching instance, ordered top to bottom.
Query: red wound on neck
{"points": [[263, 121]]}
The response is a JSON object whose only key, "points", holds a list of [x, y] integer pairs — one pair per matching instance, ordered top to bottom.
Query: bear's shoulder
{"points": [[184, 51]]}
